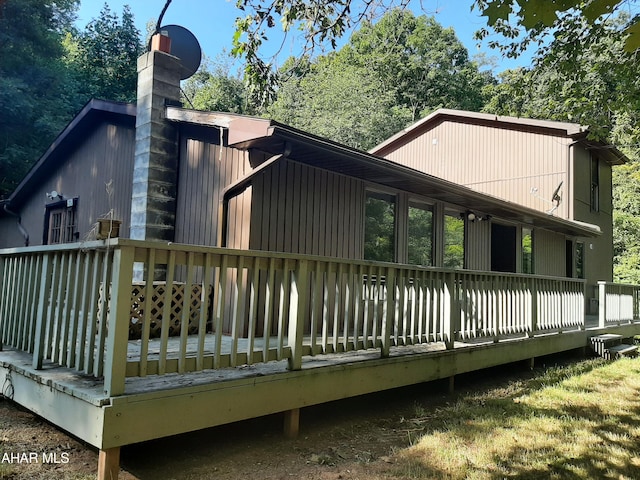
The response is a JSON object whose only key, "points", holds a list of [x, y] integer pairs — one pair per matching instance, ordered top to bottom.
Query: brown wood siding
{"points": [[104, 156], [504, 163], [204, 171], [302, 209], [478, 245], [598, 251], [549, 253]]}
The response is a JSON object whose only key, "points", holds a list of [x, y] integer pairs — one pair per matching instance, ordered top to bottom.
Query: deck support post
{"points": [[299, 298], [602, 304], [451, 310], [534, 310], [388, 313], [42, 315], [531, 363], [115, 365], [452, 384], [292, 423], [109, 464]]}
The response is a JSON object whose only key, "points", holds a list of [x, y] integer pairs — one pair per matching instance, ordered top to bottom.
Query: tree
{"points": [[325, 21], [525, 22], [104, 57], [391, 73], [213, 88], [34, 101], [342, 101]]}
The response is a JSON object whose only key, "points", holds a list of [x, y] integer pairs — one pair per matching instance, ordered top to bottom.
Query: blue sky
{"points": [[211, 21]]}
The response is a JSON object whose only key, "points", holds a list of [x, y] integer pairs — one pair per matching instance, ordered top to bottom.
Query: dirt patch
{"points": [[350, 439]]}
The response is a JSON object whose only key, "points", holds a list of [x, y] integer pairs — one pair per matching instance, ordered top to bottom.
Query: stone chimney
{"points": [[155, 172]]}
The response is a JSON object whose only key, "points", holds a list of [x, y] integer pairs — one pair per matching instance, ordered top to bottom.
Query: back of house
{"points": [[552, 167]]}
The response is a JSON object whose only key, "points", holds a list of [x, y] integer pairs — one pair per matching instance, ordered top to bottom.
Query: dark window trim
{"points": [[48, 208]]}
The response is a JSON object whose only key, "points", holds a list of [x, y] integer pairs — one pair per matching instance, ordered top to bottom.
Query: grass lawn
{"points": [[580, 421]]}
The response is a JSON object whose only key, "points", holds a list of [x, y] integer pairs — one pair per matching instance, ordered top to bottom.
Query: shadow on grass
{"points": [[578, 421]]}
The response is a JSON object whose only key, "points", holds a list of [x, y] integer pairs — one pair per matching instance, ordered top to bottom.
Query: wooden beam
{"points": [[452, 384], [292, 423], [109, 464]]}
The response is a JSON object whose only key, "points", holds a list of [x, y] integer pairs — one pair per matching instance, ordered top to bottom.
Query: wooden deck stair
{"points": [[611, 346]]}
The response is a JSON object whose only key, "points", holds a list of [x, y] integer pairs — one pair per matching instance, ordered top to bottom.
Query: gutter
{"points": [[23, 231]]}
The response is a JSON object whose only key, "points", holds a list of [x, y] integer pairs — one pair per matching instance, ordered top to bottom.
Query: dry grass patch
{"points": [[580, 421]]}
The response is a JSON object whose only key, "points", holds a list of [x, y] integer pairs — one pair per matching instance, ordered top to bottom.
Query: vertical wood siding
{"points": [[104, 156], [504, 163], [205, 170], [300, 209], [478, 245], [549, 253]]}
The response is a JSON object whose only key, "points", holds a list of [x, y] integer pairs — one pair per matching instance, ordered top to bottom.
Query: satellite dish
{"points": [[185, 46], [556, 195]]}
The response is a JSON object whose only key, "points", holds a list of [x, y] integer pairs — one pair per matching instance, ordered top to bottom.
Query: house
{"points": [[548, 166], [292, 269]]}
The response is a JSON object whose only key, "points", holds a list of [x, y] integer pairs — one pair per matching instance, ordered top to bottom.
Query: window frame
{"points": [[67, 230]]}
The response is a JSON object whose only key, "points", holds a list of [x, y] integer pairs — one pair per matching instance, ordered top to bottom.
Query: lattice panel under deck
{"points": [[157, 308]]}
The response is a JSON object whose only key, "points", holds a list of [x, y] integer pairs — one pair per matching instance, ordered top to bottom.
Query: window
{"points": [[595, 183], [61, 223], [379, 228], [420, 234], [453, 241], [527, 250]]}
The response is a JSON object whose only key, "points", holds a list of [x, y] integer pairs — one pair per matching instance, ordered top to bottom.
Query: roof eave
{"points": [[66, 139]]}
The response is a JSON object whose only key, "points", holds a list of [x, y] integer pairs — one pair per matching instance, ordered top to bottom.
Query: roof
{"points": [[93, 112], [563, 129], [245, 132], [276, 138]]}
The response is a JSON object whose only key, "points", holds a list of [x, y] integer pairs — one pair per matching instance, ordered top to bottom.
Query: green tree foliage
{"points": [[318, 22], [525, 22], [104, 57], [390, 74], [213, 88], [34, 98], [379, 228], [420, 235], [453, 242]]}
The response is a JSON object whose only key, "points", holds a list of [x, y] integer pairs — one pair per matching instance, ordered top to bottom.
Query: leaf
{"points": [[596, 8], [497, 10], [533, 12], [632, 42]]}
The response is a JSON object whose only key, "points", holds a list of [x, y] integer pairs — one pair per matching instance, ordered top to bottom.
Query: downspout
{"points": [[236, 188], [23, 231]]}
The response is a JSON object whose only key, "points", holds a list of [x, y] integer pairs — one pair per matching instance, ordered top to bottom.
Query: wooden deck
{"points": [[270, 333]]}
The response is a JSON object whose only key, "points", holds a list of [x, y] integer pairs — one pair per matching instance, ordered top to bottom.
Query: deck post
{"points": [[43, 297], [602, 304], [452, 310], [298, 312], [389, 313], [533, 326], [115, 364], [452, 385], [292, 423], [109, 464]]}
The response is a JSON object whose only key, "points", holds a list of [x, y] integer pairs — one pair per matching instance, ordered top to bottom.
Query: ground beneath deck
{"points": [[349, 439]]}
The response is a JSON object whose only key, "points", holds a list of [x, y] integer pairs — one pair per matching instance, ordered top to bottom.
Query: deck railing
{"points": [[618, 303], [73, 305]]}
